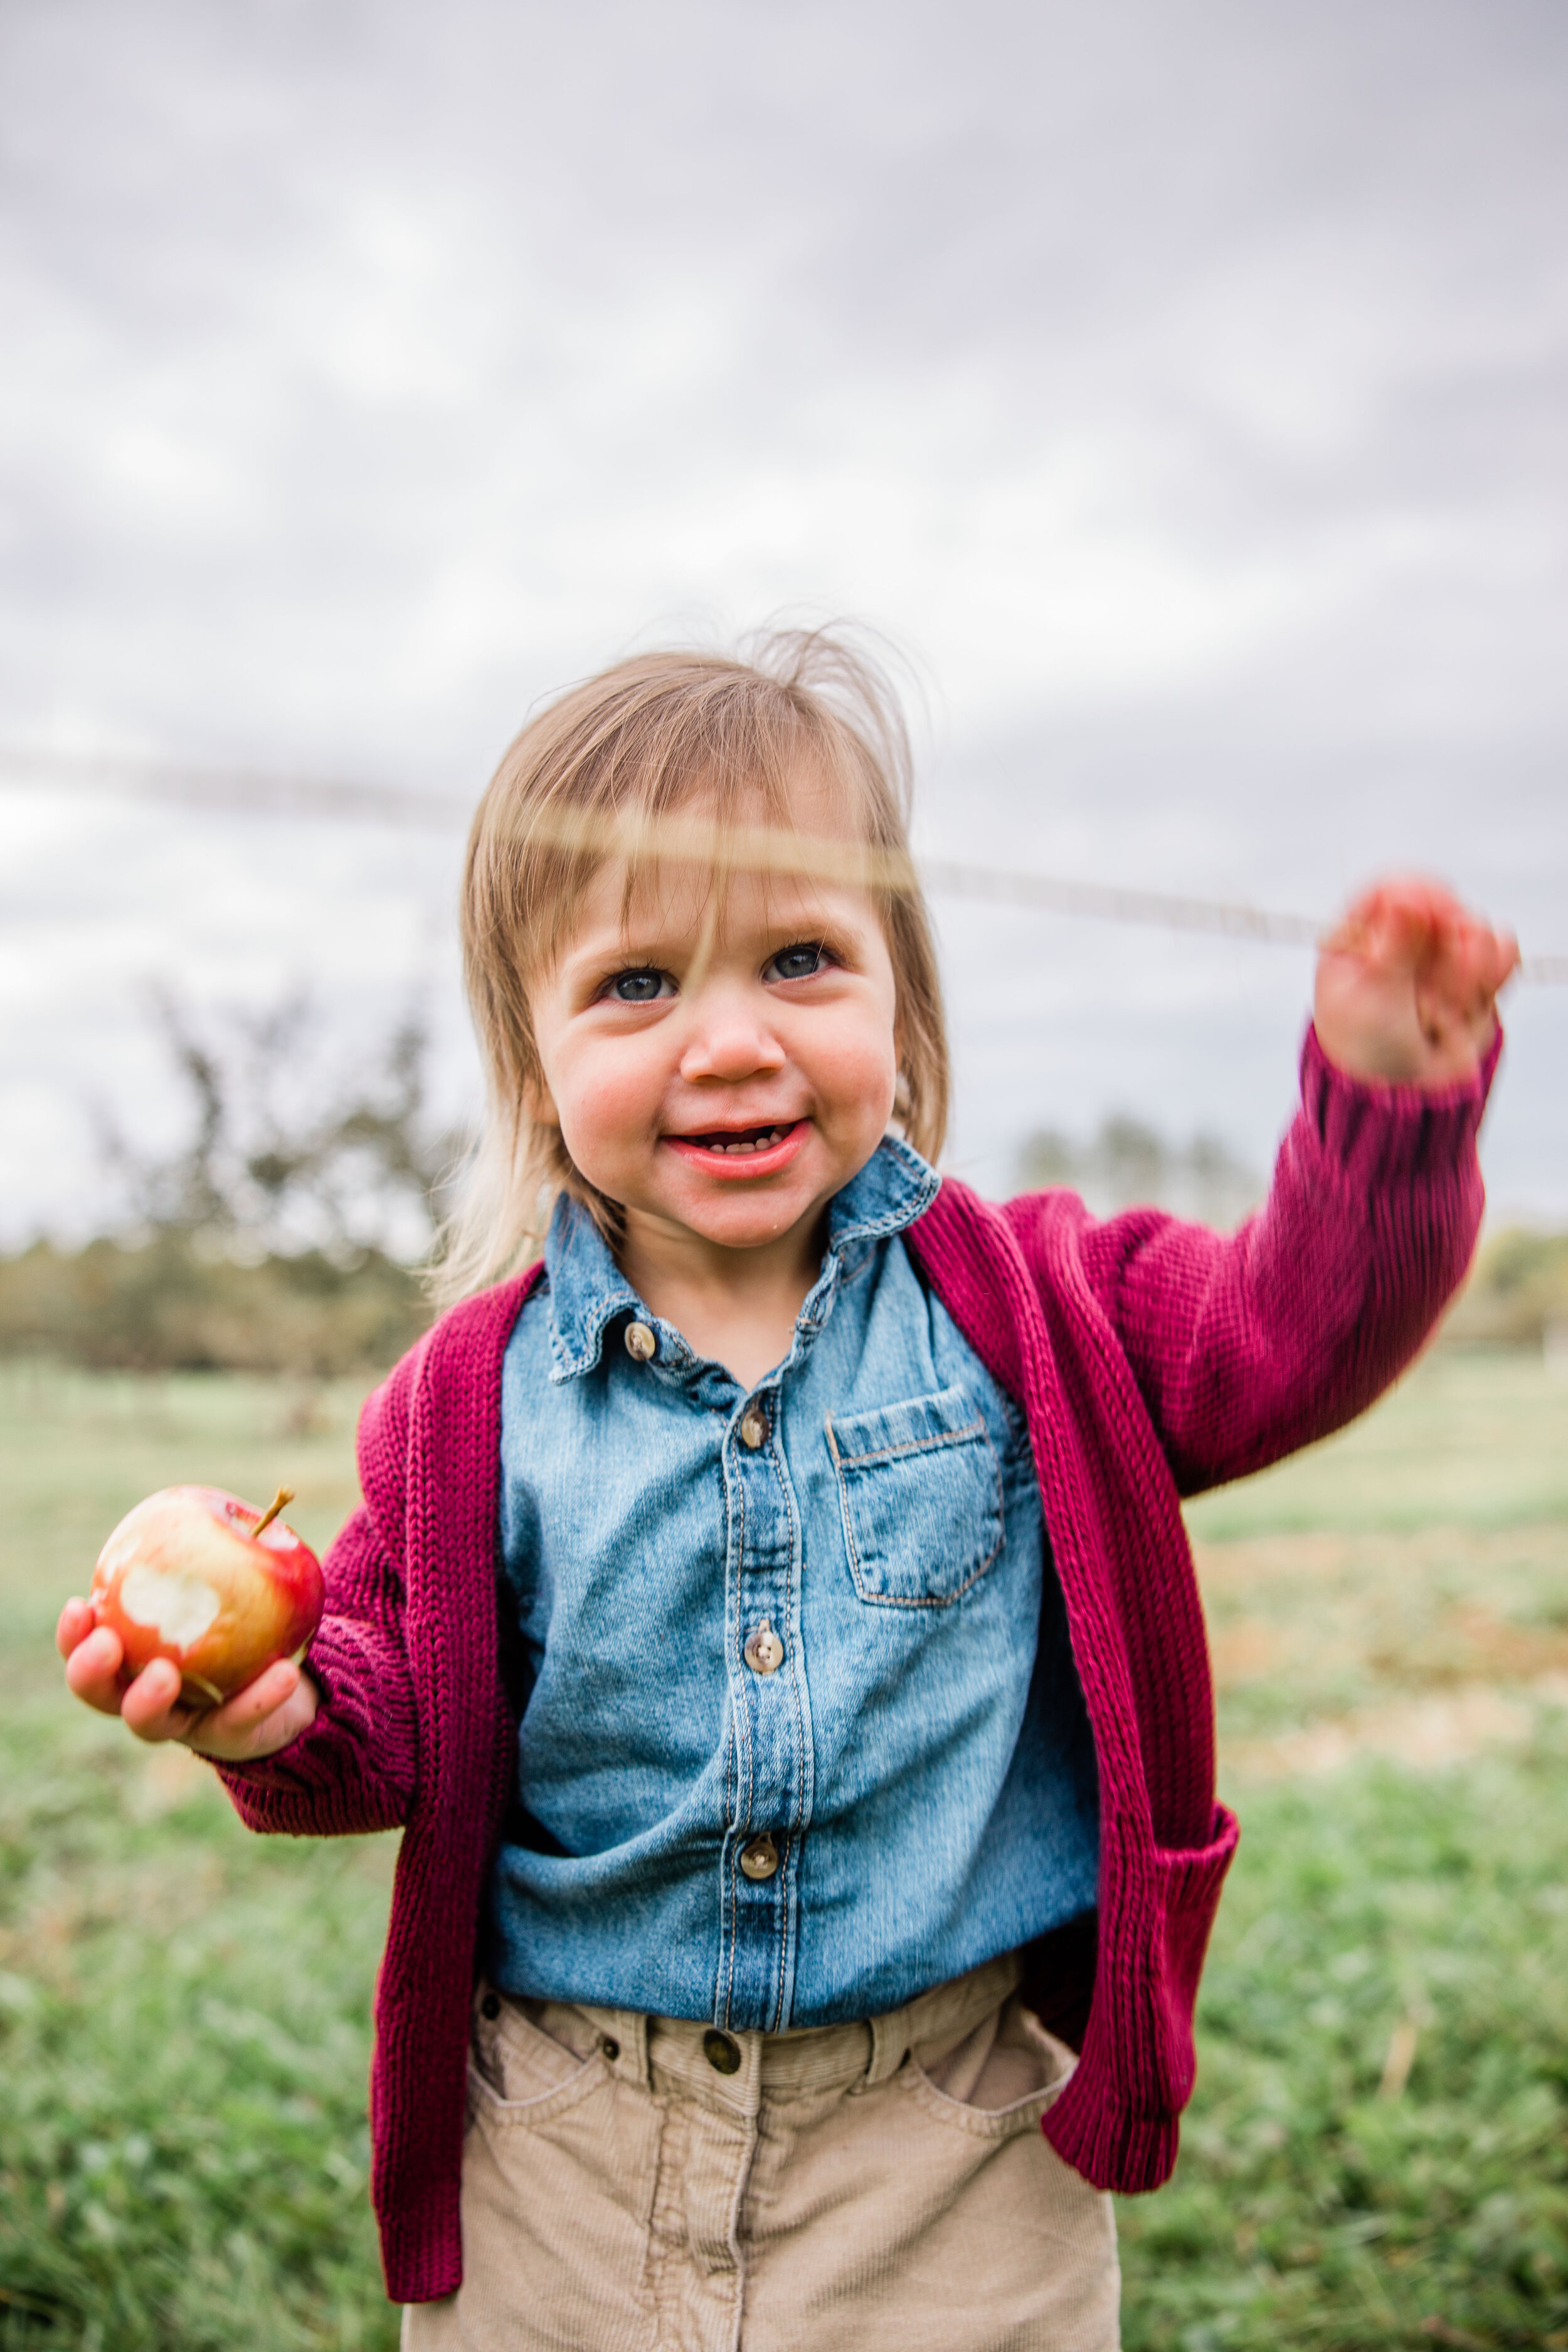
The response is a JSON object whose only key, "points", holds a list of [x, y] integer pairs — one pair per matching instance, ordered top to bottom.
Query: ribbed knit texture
{"points": [[1154, 1359]]}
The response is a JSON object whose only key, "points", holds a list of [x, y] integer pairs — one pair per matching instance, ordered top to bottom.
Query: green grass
{"points": [[1476, 1441], [1402, 1590], [184, 2009], [182, 2141], [1310, 2209]]}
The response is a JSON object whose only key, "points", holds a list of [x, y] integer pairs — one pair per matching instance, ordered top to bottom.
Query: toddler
{"points": [[770, 1620]]}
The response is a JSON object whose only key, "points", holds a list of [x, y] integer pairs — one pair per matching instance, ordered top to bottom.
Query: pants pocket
{"points": [[519, 2062], [1000, 2076]]}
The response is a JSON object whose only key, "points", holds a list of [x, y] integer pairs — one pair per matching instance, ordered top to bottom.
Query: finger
{"points": [[1427, 905], [1398, 921], [1387, 925], [1473, 963], [1483, 968], [1452, 983], [75, 1622], [92, 1670], [272, 1688], [151, 1706], [228, 1735]]}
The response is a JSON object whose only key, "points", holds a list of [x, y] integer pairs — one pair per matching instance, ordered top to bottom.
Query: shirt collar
{"points": [[588, 1290]]}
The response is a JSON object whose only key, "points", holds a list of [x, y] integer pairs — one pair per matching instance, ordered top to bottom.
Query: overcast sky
{"points": [[1184, 387]]}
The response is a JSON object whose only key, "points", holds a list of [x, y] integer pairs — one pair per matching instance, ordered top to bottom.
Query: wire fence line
{"points": [[261, 792]]}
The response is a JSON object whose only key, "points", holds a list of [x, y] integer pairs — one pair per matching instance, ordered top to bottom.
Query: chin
{"points": [[749, 1225]]}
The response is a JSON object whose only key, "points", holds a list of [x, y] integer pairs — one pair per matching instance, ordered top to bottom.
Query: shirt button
{"points": [[641, 1345], [754, 1426], [764, 1652], [761, 1858], [722, 2055]]}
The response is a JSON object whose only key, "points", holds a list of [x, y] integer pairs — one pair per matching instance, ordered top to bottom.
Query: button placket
{"points": [[771, 1787]]}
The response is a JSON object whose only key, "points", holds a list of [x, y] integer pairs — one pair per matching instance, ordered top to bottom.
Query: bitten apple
{"points": [[219, 1588]]}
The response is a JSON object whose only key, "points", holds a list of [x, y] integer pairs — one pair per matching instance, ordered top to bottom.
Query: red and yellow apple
{"points": [[213, 1585]]}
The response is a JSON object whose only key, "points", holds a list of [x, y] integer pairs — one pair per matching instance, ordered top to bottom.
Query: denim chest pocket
{"points": [[920, 1491]]}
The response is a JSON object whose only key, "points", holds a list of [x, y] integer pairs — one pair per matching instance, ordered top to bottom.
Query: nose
{"points": [[731, 1039]]}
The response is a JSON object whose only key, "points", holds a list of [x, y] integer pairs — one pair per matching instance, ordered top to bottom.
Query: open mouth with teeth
{"points": [[740, 1142]]}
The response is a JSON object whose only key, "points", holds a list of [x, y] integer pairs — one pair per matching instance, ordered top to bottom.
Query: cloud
{"points": [[1184, 387]]}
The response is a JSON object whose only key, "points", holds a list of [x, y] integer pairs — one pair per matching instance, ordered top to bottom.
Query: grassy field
{"points": [[183, 2007], [1377, 2154]]}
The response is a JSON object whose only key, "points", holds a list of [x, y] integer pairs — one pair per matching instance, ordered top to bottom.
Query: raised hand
{"points": [[1407, 985]]}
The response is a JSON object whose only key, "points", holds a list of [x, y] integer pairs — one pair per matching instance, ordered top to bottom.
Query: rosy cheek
{"points": [[858, 1067], [609, 1104]]}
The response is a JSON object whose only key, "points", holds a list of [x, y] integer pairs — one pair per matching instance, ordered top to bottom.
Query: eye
{"points": [[797, 962], [639, 987]]}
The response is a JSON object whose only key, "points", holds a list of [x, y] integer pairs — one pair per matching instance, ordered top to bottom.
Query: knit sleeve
{"points": [[1247, 1345], [355, 1768]]}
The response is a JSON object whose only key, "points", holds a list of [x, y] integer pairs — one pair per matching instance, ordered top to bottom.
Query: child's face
{"points": [[720, 1080]]}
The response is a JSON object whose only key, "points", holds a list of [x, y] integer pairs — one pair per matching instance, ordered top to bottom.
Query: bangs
{"points": [[712, 782]]}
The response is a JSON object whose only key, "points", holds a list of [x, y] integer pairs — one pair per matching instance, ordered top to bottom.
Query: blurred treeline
{"points": [[1128, 1163], [285, 1228], [1517, 1296], [162, 1305]]}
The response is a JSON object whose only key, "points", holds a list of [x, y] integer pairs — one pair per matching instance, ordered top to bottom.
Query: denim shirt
{"points": [[800, 1734]]}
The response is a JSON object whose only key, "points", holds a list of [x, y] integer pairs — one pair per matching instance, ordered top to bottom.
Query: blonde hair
{"points": [[604, 772]]}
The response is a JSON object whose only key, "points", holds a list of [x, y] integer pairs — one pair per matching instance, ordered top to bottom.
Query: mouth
{"points": [[739, 1141], [753, 1149]]}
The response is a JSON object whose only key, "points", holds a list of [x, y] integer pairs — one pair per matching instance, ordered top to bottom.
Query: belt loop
{"points": [[890, 2044], [634, 2045], [749, 2081]]}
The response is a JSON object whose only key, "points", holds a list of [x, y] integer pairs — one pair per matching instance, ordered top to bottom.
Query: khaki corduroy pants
{"points": [[634, 2184]]}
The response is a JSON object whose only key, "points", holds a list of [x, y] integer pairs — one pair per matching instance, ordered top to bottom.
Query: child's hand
{"points": [[1407, 985], [257, 1721]]}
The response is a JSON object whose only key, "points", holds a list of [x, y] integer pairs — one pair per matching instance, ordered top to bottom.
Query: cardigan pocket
{"points": [[920, 1491], [1191, 1881]]}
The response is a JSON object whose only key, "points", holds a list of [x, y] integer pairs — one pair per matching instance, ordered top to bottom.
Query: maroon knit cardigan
{"points": [[1152, 1358]]}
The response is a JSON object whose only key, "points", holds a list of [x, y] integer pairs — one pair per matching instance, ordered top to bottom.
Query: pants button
{"points": [[722, 2053]]}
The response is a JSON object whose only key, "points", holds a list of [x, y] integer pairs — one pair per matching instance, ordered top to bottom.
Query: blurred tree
{"points": [[286, 1149], [1129, 1163], [282, 1230], [1517, 1295]]}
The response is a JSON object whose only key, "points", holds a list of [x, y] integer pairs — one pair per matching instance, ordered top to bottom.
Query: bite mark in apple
{"points": [[179, 1607]]}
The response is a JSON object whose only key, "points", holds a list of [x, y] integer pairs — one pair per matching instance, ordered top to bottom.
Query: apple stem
{"points": [[284, 1495]]}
